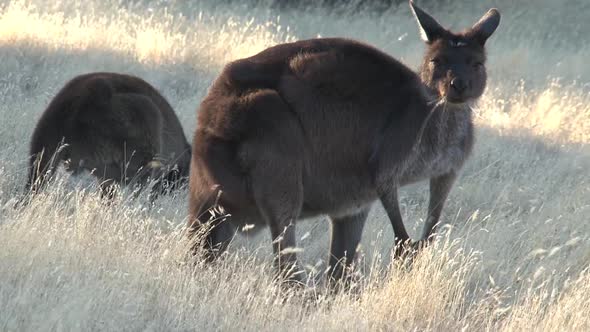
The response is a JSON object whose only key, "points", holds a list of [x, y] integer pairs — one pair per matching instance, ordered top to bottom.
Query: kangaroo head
{"points": [[454, 63]]}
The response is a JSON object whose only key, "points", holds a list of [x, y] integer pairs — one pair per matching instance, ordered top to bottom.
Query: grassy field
{"points": [[515, 254]]}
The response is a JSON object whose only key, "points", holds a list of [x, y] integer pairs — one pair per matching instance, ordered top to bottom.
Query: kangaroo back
{"points": [[265, 69], [51, 136]]}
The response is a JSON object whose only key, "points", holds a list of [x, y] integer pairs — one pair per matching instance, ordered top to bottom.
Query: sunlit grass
{"points": [[155, 38]]}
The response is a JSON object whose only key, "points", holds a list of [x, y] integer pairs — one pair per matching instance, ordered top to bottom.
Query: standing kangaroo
{"points": [[117, 126], [328, 126]]}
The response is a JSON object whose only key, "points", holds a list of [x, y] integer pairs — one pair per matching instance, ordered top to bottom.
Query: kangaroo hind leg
{"points": [[274, 158], [346, 235]]}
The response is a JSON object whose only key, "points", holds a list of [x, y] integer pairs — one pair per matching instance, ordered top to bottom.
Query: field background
{"points": [[514, 257]]}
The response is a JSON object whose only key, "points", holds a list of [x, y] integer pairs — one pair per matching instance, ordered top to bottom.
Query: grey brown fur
{"points": [[116, 126], [329, 126]]}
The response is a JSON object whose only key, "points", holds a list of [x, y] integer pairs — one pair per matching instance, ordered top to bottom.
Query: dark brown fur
{"points": [[117, 126], [329, 126]]}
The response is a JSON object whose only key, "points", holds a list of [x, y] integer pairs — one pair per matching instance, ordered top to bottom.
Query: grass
{"points": [[514, 256]]}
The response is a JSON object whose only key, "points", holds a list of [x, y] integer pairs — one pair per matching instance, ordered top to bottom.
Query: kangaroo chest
{"points": [[445, 145]]}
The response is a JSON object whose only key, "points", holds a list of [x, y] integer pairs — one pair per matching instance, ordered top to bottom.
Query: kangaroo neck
{"points": [[447, 118], [443, 119]]}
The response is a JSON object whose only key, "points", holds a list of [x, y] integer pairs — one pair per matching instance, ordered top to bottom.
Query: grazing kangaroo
{"points": [[117, 126], [328, 126]]}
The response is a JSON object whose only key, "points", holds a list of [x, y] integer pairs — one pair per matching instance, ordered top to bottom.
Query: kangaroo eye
{"points": [[435, 61], [478, 64]]}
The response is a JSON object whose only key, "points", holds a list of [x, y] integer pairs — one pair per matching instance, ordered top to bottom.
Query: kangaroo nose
{"points": [[458, 85]]}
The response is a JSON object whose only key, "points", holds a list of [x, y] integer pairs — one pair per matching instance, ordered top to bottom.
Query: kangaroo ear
{"points": [[485, 27], [430, 30]]}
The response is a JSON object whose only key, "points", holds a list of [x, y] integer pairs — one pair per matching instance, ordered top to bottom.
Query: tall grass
{"points": [[514, 256]]}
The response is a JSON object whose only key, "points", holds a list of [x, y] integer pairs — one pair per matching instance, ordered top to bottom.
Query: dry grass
{"points": [[515, 258]]}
